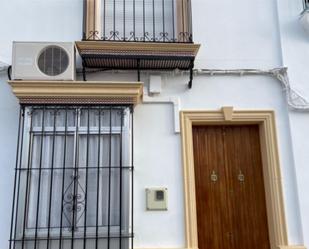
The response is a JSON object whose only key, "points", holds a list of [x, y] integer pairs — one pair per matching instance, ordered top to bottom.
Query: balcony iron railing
{"points": [[138, 20], [138, 35]]}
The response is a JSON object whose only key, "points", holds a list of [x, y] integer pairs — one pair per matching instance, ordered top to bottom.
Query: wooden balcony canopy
{"points": [[137, 55]]}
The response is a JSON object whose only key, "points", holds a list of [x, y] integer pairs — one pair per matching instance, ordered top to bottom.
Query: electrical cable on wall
{"points": [[294, 99]]}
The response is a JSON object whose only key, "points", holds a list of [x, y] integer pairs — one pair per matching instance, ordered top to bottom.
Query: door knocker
{"points": [[213, 176], [241, 176]]}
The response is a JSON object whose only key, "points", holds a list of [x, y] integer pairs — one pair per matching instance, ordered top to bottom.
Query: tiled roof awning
{"points": [[137, 55], [77, 92]]}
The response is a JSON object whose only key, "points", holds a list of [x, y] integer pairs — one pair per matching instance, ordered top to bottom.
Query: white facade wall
{"points": [[234, 34], [294, 43]]}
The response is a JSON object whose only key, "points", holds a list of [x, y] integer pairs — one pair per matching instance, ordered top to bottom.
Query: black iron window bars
{"points": [[138, 20], [74, 178]]}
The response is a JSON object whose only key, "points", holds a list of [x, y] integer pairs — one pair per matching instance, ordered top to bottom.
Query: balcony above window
{"points": [[138, 20], [138, 34]]}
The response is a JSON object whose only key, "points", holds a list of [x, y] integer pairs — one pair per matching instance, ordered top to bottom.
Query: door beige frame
{"points": [[271, 169]]}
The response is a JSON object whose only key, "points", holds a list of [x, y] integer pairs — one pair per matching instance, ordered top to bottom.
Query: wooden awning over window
{"points": [[137, 55], [77, 92]]}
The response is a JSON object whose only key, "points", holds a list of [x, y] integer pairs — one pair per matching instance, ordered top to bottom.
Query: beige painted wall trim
{"points": [[182, 16], [93, 19], [83, 90], [271, 169]]}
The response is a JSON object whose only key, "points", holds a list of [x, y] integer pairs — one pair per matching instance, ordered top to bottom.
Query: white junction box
{"points": [[155, 84], [156, 199]]}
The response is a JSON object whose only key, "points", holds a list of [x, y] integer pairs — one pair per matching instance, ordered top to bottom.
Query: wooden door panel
{"points": [[231, 212], [214, 226]]}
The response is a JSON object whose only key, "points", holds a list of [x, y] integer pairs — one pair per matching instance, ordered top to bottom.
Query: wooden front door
{"points": [[230, 197]]}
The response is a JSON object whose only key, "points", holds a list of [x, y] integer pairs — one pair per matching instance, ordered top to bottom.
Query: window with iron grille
{"points": [[138, 20], [74, 180]]}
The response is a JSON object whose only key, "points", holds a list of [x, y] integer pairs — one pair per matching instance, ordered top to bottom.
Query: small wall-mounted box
{"points": [[155, 84], [156, 199]]}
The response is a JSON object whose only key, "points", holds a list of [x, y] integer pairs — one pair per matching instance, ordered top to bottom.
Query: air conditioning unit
{"points": [[43, 61]]}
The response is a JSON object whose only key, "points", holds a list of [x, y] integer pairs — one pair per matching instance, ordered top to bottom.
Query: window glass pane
{"points": [[37, 117], [104, 117], [109, 145], [44, 161]]}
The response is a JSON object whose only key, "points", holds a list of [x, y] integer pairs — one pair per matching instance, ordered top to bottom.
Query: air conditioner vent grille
{"points": [[53, 60]]}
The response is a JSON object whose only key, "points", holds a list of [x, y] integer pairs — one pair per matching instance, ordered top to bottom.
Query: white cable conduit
{"points": [[294, 100], [175, 101]]}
